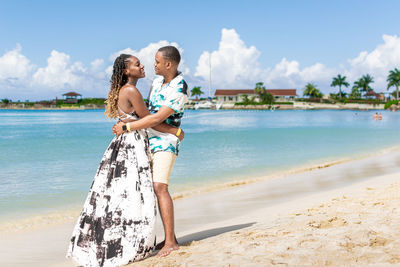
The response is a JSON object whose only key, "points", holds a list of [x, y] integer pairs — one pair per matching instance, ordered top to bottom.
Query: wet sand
{"points": [[245, 210]]}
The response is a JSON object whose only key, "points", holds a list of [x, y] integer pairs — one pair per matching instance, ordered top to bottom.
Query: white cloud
{"points": [[378, 62], [97, 64], [14, 65], [233, 65], [59, 73], [288, 74], [19, 79]]}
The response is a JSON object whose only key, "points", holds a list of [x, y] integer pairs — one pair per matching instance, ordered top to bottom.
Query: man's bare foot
{"points": [[161, 244], [166, 250]]}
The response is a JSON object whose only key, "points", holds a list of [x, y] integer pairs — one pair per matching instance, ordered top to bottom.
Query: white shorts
{"points": [[162, 164]]}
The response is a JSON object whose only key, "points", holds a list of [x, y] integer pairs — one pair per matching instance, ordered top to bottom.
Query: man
{"points": [[167, 97]]}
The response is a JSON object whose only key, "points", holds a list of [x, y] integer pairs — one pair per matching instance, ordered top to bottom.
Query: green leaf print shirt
{"points": [[173, 95]]}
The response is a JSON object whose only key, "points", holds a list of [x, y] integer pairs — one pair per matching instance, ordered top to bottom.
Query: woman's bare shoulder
{"points": [[129, 89]]}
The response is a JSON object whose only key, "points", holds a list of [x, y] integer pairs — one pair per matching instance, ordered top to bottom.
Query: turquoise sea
{"points": [[48, 158]]}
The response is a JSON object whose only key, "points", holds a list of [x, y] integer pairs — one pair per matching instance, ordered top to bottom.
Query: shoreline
{"points": [[302, 106], [64, 108], [278, 174], [49, 217]]}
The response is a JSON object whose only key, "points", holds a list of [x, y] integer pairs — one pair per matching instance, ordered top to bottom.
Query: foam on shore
{"points": [[277, 175]]}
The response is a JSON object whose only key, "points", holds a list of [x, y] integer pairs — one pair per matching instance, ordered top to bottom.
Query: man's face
{"points": [[160, 65]]}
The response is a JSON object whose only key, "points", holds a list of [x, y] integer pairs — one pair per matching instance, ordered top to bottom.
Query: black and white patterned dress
{"points": [[117, 223]]}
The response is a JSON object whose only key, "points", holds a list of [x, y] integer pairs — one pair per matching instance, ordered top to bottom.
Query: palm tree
{"points": [[393, 79], [340, 81], [365, 81], [358, 84], [260, 88], [311, 90], [196, 91], [355, 93], [246, 99]]}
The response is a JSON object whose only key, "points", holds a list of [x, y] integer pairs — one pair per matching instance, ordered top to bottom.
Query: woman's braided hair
{"points": [[118, 79]]}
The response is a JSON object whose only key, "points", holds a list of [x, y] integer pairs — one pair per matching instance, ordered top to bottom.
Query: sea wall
{"points": [[305, 106]]}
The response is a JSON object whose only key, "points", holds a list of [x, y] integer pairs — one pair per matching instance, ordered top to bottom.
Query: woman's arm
{"points": [[155, 121]]}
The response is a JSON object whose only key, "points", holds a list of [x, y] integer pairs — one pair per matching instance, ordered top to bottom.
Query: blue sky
{"points": [[330, 33]]}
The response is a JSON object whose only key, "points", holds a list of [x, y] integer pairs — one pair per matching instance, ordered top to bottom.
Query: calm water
{"points": [[48, 158]]}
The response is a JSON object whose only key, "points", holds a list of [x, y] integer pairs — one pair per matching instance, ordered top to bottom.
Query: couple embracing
{"points": [[117, 223]]}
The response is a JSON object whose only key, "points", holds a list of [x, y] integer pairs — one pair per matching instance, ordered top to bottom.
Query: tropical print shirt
{"points": [[173, 95]]}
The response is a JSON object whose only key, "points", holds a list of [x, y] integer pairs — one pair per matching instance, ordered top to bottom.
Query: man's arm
{"points": [[155, 121]]}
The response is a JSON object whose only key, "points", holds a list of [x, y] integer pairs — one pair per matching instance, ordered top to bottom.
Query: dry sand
{"points": [[344, 215], [351, 229]]}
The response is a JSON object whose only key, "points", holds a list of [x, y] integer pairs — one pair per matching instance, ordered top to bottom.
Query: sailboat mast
{"points": [[209, 88]]}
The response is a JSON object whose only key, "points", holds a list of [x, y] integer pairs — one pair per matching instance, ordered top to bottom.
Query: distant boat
{"points": [[204, 105], [218, 106]]}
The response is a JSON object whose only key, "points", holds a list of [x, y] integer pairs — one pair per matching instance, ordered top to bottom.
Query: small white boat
{"points": [[203, 105]]}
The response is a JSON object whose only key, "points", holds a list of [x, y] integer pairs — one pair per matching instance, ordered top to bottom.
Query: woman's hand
{"points": [[117, 128], [113, 129]]}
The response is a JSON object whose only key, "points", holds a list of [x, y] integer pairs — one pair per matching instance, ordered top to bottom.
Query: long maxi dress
{"points": [[117, 222]]}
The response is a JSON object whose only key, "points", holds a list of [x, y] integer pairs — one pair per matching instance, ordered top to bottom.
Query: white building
{"points": [[236, 95]]}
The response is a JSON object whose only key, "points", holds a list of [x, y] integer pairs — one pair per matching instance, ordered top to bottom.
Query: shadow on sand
{"points": [[185, 240]]}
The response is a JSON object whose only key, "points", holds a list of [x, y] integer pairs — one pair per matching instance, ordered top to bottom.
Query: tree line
{"points": [[363, 84]]}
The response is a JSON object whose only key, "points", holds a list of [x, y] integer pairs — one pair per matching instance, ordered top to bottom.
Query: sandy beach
{"points": [[338, 215], [358, 226]]}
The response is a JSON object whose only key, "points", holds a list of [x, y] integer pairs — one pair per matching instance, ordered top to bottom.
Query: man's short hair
{"points": [[171, 52]]}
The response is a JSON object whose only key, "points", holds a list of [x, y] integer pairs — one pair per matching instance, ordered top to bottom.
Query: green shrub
{"points": [[267, 98], [5, 101], [96, 101], [366, 101], [283, 103], [390, 103], [249, 104], [69, 105]]}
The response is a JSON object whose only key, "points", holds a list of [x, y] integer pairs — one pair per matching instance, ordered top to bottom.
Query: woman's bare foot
{"points": [[166, 250]]}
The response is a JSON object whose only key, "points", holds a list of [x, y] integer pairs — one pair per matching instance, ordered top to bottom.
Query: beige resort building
{"points": [[236, 95]]}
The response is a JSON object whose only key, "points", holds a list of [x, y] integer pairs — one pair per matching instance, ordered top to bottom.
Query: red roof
{"points": [[233, 91], [275, 92], [282, 92], [371, 93], [71, 94]]}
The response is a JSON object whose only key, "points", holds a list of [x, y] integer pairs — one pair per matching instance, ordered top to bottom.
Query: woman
{"points": [[116, 225]]}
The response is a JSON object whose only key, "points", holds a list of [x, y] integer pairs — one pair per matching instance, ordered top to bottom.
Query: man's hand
{"points": [[117, 128], [181, 136]]}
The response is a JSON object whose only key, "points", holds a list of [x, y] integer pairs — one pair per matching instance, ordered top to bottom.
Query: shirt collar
{"points": [[174, 81]]}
